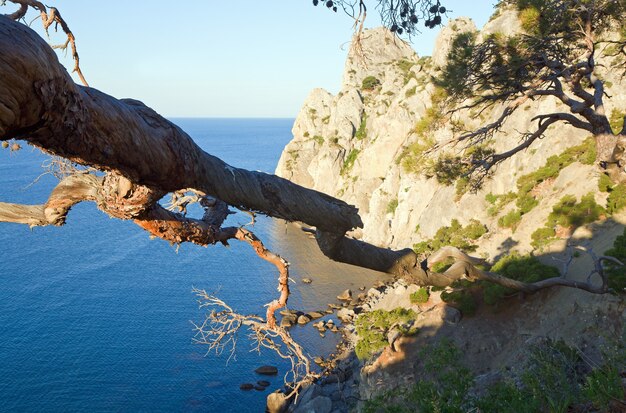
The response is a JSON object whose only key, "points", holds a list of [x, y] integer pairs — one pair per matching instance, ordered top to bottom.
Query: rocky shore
{"points": [[347, 380]]}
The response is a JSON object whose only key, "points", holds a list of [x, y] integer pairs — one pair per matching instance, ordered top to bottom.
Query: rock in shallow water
{"points": [[345, 296], [267, 370], [246, 386]]}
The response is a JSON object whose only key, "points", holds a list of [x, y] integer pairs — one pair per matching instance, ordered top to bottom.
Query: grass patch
{"points": [[405, 68], [616, 120], [319, 139], [412, 156], [525, 200], [392, 205], [555, 378], [444, 389]]}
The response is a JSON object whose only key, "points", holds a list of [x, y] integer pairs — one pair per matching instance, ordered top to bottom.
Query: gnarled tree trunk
{"points": [[145, 157]]}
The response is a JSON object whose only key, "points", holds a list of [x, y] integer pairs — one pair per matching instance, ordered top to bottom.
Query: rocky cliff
{"points": [[382, 143], [368, 145]]}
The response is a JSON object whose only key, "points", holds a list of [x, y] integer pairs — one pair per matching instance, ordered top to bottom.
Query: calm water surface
{"points": [[95, 316]]}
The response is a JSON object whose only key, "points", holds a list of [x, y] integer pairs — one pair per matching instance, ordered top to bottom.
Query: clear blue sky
{"points": [[219, 59]]}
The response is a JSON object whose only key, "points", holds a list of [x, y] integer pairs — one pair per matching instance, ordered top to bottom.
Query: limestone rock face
{"points": [[506, 22], [443, 43], [370, 56], [354, 146]]}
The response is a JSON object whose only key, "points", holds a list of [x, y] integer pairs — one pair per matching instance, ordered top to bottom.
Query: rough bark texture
{"points": [[146, 156]]}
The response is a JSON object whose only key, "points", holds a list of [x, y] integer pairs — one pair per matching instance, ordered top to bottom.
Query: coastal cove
{"points": [[96, 316]]}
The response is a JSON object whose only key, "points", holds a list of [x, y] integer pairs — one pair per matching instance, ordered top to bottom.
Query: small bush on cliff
{"points": [[370, 83], [616, 120], [361, 133], [348, 162], [617, 194], [526, 200], [567, 213], [510, 220], [455, 235], [420, 296], [461, 298], [372, 329]]}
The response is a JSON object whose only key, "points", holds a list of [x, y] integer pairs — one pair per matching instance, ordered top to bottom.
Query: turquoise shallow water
{"points": [[95, 316]]}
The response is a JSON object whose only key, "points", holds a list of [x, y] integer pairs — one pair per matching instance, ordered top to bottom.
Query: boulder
{"points": [[307, 280], [345, 296], [315, 315], [345, 315], [303, 319], [288, 321], [263, 383], [246, 386], [277, 402], [320, 404]]}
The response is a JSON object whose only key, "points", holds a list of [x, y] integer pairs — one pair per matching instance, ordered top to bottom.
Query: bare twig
{"points": [[50, 16]]}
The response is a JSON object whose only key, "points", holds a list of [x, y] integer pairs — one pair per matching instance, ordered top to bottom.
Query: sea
{"points": [[97, 317]]}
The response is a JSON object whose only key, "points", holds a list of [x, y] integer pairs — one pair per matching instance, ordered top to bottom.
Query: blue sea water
{"points": [[95, 316]]}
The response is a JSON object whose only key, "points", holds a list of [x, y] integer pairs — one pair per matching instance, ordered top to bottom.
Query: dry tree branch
{"points": [[50, 16], [222, 325]]}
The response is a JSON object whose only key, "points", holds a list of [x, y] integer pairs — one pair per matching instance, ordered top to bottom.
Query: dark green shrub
{"points": [[370, 83], [617, 199], [570, 214], [455, 235], [543, 237], [525, 268], [617, 273], [461, 299], [372, 328], [603, 386]]}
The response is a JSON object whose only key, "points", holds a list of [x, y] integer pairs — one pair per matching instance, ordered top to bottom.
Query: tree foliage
{"points": [[403, 17], [554, 57]]}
